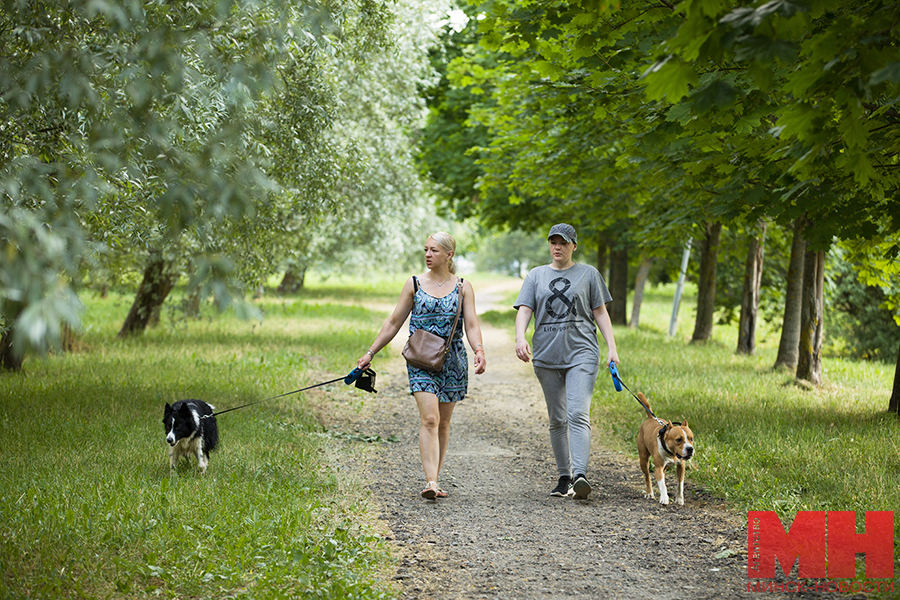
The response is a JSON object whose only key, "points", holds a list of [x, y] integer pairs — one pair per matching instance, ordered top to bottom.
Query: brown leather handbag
{"points": [[427, 350]]}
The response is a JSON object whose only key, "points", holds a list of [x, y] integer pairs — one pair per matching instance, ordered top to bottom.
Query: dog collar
{"points": [[662, 439]]}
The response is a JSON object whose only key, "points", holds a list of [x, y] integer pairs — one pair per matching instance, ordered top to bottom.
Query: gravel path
{"points": [[499, 534]]}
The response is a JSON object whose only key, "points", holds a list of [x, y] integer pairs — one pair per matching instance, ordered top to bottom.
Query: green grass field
{"points": [[89, 509]]}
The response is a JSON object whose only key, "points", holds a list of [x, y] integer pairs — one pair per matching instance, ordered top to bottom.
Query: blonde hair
{"points": [[446, 241]]}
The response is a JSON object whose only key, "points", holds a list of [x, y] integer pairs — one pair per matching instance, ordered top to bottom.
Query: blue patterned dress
{"points": [[436, 315]]}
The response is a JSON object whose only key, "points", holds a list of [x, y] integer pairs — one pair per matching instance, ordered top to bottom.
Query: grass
{"points": [[89, 508]]}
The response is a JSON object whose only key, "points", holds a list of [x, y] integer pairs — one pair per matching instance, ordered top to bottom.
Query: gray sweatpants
{"points": [[568, 395]]}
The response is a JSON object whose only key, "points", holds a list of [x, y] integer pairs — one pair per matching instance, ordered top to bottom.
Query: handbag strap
{"points": [[459, 303]]}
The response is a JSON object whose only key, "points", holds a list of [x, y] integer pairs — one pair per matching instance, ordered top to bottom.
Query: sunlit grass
{"points": [[88, 507]]}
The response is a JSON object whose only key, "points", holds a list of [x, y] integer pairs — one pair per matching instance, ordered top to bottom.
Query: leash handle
{"points": [[614, 371], [353, 375]]}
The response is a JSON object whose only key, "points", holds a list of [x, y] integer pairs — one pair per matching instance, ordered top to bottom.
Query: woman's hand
{"points": [[523, 351], [613, 356], [365, 360], [480, 362]]}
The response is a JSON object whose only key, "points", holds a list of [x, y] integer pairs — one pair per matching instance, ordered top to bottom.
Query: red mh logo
{"points": [[807, 542]]}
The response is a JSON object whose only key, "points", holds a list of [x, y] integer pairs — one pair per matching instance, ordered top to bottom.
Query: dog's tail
{"points": [[646, 404]]}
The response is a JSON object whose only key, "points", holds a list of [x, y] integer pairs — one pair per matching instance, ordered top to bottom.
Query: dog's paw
{"points": [[649, 496], [664, 499], [679, 500]]}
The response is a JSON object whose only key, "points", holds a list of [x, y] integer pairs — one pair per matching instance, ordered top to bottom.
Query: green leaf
{"points": [[764, 49], [549, 70], [891, 73], [669, 79], [717, 94], [859, 165]]}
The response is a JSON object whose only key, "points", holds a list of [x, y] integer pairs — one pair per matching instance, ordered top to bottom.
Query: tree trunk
{"points": [[601, 254], [639, 281], [292, 282], [618, 285], [706, 286], [679, 287], [154, 289], [750, 296], [191, 304], [812, 324], [68, 339], [789, 346], [11, 359], [894, 404]]}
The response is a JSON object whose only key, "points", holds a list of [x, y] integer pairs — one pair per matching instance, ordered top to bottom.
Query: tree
{"points": [[826, 75], [119, 109], [706, 286], [751, 290], [812, 319], [789, 344]]}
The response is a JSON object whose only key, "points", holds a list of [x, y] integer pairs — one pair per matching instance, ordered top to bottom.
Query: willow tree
{"points": [[139, 128]]}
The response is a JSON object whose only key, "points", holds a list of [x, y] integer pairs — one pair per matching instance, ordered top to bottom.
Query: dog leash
{"points": [[363, 378], [617, 381]]}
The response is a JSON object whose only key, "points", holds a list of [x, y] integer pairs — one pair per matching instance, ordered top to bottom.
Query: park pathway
{"points": [[499, 534]]}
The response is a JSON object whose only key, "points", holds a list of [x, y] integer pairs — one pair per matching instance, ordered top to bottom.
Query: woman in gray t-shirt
{"points": [[568, 302]]}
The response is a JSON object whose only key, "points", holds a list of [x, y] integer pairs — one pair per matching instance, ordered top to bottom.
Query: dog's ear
{"points": [[168, 408], [684, 424]]}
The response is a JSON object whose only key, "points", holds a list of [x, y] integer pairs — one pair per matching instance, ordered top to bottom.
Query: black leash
{"points": [[363, 378], [617, 381]]}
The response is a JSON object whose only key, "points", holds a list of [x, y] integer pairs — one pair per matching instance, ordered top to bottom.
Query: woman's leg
{"points": [[553, 383], [579, 384], [446, 410], [429, 440]]}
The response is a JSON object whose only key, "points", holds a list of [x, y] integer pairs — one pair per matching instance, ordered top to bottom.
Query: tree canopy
{"points": [[673, 113], [130, 127]]}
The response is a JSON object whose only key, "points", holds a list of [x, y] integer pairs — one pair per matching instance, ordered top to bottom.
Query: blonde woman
{"points": [[430, 300]]}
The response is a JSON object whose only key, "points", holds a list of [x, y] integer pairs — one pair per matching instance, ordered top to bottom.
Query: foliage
{"points": [[820, 79], [641, 121], [132, 127], [382, 208], [511, 253], [865, 326]]}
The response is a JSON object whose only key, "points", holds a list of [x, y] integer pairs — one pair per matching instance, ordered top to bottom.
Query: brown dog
{"points": [[665, 444]]}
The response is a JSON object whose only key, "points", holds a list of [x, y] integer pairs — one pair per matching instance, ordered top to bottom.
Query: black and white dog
{"points": [[190, 429]]}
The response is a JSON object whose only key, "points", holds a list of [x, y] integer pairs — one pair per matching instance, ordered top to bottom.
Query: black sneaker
{"points": [[563, 488], [581, 488]]}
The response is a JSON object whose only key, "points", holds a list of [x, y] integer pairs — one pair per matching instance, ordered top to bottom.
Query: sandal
{"points": [[430, 492], [442, 494]]}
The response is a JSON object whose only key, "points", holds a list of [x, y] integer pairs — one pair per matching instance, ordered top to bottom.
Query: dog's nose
{"points": [[688, 451]]}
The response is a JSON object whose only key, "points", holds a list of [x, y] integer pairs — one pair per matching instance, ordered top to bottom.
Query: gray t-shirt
{"points": [[565, 333]]}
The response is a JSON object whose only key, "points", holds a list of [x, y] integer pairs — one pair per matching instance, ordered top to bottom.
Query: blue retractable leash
{"points": [[363, 378], [617, 381]]}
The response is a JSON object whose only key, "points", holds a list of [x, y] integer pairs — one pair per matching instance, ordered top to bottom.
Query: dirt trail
{"points": [[499, 534]]}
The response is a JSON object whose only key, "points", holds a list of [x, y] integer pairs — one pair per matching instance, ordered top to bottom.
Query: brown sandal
{"points": [[430, 492]]}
